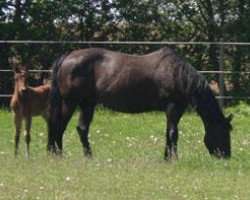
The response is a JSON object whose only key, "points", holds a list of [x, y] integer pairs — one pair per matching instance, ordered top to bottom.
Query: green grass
{"points": [[128, 161]]}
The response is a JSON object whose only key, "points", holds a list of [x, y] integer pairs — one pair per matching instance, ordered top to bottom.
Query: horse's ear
{"points": [[230, 117]]}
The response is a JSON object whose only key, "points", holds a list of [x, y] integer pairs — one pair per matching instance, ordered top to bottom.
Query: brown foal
{"points": [[27, 102]]}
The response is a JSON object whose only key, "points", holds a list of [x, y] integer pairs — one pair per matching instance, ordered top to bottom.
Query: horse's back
{"points": [[123, 82]]}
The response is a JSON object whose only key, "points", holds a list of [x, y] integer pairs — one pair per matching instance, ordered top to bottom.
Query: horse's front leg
{"points": [[174, 113], [85, 119], [18, 125], [27, 136], [171, 141]]}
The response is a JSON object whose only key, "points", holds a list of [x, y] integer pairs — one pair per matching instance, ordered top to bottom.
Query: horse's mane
{"points": [[188, 80], [191, 83], [193, 86]]}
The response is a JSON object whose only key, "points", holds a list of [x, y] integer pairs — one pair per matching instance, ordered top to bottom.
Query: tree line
{"points": [[122, 20]]}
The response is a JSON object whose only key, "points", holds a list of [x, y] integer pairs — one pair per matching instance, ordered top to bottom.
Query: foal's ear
{"points": [[20, 68], [16, 69], [230, 117]]}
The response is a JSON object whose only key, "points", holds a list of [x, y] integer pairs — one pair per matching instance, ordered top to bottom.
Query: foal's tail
{"points": [[55, 104]]}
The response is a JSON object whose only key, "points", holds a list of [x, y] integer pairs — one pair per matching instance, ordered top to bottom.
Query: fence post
{"points": [[221, 75]]}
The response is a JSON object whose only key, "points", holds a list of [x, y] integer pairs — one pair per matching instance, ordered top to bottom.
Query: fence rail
{"points": [[121, 42], [31, 70], [202, 72], [217, 97]]}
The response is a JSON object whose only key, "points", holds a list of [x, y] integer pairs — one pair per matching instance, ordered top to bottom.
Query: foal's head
{"points": [[20, 75], [218, 139]]}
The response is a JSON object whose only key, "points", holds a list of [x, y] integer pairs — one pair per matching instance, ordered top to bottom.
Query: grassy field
{"points": [[128, 161]]}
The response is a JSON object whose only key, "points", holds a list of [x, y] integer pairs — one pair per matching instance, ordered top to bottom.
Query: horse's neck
{"points": [[209, 109]]}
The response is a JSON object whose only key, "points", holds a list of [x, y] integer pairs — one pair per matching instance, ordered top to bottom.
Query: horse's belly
{"points": [[131, 97], [130, 104]]}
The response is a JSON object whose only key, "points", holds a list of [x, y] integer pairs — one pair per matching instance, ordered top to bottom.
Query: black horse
{"points": [[160, 81]]}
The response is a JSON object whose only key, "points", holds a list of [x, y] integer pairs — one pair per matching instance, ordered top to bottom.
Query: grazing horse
{"points": [[159, 81], [27, 102]]}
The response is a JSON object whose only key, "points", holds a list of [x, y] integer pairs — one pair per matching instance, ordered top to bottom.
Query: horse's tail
{"points": [[55, 103]]}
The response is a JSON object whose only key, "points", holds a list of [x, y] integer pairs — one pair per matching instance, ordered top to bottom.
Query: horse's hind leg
{"points": [[68, 109], [174, 113], [86, 116], [57, 125], [18, 126], [27, 136]]}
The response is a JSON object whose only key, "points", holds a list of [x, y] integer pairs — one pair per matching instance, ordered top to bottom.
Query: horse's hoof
{"points": [[88, 154]]}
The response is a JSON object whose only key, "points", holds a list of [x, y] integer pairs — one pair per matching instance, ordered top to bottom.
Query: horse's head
{"points": [[20, 75], [218, 139]]}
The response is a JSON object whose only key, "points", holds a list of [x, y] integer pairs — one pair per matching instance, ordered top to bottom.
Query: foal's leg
{"points": [[174, 113], [85, 119], [18, 125], [27, 136]]}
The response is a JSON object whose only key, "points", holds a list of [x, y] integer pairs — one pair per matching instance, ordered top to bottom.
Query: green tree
{"points": [[238, 30]]}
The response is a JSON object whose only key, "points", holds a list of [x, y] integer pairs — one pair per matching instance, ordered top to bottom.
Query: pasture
{"points": [[128, 161]]}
